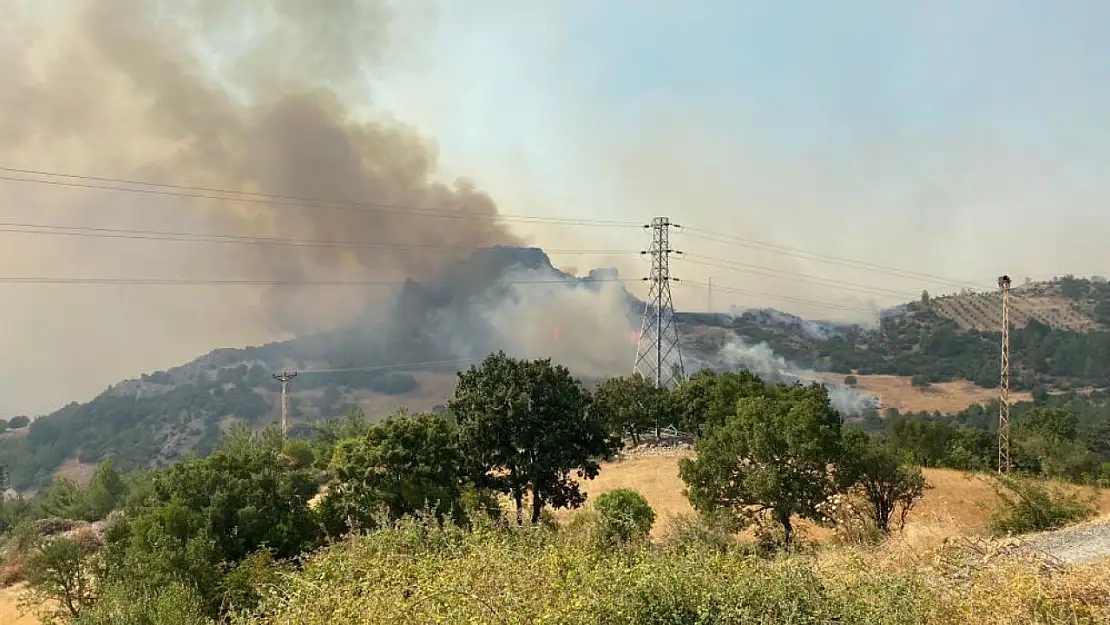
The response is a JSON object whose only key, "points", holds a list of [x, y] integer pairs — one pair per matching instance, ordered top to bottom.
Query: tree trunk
{"points": [[519, 498], [537, 507], [787, 527]]}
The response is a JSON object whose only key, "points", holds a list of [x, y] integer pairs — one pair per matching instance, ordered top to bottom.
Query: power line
{"points": [[228, 195], [707, 235], [200, 237], [793, 275], [250, 282], [797, 300], [410, 365]]}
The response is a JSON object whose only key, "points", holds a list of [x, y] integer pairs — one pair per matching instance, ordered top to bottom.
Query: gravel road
{"points": [[1081, 544]]}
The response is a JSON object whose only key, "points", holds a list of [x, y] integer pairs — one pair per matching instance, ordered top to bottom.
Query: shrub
{"points": [[851, 380], [1026, 505], [625, 515], [849, 517], [700, 532]]}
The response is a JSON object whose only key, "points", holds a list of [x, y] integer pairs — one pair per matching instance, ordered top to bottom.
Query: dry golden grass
{"points": [[945, 397], [79, 472], [957, 504], [9, 610]]}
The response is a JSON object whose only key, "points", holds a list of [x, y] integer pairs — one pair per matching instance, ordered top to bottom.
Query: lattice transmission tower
{"points": [[658, 354], [1004, 386]]}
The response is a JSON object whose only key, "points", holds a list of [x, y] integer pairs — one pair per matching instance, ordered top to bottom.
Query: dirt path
{"points": [[1081, 544]]}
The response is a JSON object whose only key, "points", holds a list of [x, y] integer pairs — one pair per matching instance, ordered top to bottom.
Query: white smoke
{"points": [[760, 359]]}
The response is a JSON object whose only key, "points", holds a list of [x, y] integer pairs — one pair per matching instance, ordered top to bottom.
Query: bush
{"points": [[851, 380], [1026, 505], [625, 515], [515, 576]]}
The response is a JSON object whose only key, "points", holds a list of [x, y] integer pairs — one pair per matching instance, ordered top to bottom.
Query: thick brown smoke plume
{"points": [[259, 96]]}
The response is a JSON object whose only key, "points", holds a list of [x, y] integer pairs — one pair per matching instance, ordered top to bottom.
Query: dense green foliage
{"points": [[631, 405], [525, 427], [771, 456], [404, 465], [876, 472], [1029, 506], [624, 515], [537, 577]]}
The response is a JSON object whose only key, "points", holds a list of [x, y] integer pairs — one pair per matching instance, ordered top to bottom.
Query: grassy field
{"points": [[958, 504]]}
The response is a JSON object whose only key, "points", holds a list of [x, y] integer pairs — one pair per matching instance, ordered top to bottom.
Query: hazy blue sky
{"points": [[902, 133]]}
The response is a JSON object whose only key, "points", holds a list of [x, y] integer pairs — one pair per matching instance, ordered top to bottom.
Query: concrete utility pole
{"points": [[709, 297], [658, 355], [284, 378], [1004, 386]]}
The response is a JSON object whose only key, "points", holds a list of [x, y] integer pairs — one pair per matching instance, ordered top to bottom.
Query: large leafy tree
{"points": [[709, 398], [630, 405], [525, 426], [772, 456], [405, 464], [877, 473], [203, 517]]}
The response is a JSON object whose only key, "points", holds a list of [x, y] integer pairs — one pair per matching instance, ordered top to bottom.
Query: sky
{"points": [[945, 138], [941, 143]]}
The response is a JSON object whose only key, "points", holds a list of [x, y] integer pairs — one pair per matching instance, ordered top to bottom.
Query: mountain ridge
{"points": [[408, 357]]}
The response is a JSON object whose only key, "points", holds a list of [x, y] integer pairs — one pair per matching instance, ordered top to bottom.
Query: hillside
{"points": [[1068, 303], [1060, 338], [925, 356]]}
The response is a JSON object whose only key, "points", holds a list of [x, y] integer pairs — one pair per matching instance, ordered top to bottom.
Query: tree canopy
{"points": [[525, 427]]}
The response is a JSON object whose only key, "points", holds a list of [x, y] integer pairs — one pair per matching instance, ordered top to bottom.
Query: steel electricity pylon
{"points": [[658, 354]]}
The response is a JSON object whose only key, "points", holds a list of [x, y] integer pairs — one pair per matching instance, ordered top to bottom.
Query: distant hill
{"points": [[1066, 303], [1060, 337], [410, 357]]}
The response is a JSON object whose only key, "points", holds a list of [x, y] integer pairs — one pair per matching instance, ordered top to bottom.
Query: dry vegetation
{"points": [[982, 311], [945, 397], [957, 504], [968, 578], [9, 609]]}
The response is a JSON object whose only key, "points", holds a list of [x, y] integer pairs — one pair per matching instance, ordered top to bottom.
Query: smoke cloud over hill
{"points": [[261, 97]]}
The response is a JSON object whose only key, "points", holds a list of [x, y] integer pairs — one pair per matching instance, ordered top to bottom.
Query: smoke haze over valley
{"points": [[425, 131]]}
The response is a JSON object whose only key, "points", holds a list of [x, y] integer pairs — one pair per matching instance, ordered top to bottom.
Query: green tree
{"points": [[709, 398], [630, 405], [1055, 424], [524, 427], [327, 434], [772, 456], [405, 464], [877, 473], [106, 491], [65, 499], [625, 515], [203, 516], [60, 576]]}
